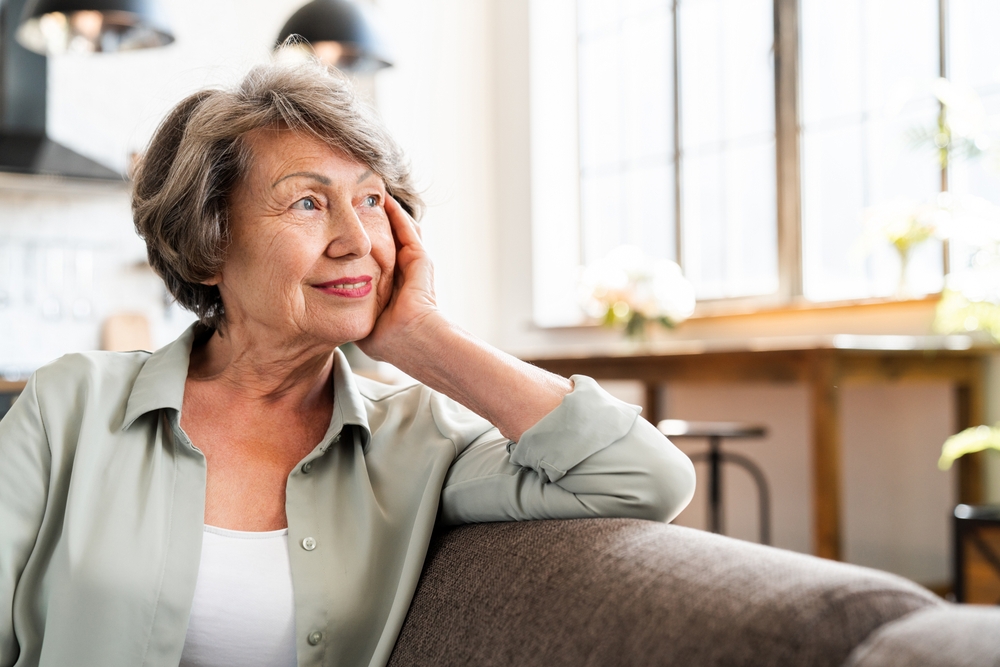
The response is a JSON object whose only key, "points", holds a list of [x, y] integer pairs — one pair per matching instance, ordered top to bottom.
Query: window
{"points": [[864, 65], [666, 124], [705, 185]]}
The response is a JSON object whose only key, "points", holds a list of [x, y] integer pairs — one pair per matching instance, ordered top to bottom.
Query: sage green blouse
{"points": [[102, 504]]}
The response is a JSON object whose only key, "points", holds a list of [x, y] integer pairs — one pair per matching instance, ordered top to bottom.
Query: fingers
{"points": [[403, 226]]}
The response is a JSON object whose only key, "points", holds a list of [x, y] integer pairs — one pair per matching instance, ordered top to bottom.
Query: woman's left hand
{"points": [[412, 304]]}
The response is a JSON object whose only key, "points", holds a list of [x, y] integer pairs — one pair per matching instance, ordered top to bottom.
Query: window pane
{"points": [[974, 60], [866, 71], [600, 102], [626, 126], [728, 147], [601, 211]]}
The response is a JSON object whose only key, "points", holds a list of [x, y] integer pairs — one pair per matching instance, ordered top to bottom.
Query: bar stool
{"points": [[715, 432], [977, 554]]}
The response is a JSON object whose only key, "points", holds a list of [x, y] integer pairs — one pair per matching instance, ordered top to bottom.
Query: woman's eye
{"points": [[371, 201], [305, 204]]}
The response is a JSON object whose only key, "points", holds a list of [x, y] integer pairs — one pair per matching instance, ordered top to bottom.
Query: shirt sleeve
{"points": [[593, 456], [24, 475]]}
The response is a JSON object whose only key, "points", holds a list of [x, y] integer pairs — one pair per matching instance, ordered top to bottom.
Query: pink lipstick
{"points": [[353, 287]]}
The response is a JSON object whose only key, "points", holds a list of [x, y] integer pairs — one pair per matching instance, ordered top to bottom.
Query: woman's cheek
{"points": [[384, 253], [383, 291]]}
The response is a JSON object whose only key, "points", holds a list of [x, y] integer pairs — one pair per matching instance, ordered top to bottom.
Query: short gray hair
{"points": [[183, 183]]}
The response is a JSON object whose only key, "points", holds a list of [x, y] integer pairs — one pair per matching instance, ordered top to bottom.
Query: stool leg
{"points": [[715, 484], [763, 492], [958, 530]]}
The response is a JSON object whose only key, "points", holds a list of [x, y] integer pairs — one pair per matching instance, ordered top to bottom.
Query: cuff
{"points": [[588, 420]]}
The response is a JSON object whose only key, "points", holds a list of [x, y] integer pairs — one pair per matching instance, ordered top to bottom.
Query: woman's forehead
{"points": [[276, 154]]}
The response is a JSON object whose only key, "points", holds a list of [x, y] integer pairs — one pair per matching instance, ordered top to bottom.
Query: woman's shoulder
{"points": [[90, 366], [82, 378], [74, 394]]}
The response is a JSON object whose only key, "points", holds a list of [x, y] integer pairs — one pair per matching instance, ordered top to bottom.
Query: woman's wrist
{"points": [[419, 350], [509, 393]]}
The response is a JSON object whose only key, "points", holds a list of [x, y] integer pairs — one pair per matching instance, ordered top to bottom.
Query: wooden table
{"points": [[823, 363]]}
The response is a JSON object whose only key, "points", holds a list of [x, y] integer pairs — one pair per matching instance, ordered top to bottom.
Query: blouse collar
{"points": [[160, 385]]}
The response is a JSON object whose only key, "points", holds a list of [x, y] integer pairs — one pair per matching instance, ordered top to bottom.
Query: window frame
{"points": [[788, 163]]}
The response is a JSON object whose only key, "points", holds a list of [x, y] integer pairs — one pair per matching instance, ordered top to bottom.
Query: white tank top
{"points": [[244, 610]]}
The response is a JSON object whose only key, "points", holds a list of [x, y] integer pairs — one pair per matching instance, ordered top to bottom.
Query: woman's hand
{"points": [[412, 304], [413, 336]]}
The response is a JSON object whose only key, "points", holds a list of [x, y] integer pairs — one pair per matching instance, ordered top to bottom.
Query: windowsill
{"points": [[762, 307], [719, 323], [878, 324]]}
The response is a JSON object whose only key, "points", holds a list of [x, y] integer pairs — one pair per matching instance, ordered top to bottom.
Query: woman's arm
{"points": [[412, 335], [507, 392], [593, 456], [24, 475]]}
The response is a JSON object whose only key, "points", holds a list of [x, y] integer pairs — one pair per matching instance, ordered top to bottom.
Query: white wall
{"points": [[439, 102], [69, 258], [897, 504]]}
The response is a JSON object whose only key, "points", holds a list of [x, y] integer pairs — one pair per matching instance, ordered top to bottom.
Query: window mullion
{"points": [[943, 73], [786, 91], [678, 167]]}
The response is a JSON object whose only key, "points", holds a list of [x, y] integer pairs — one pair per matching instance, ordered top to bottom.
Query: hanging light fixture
{"points": [[90, 26], [338, 32]]}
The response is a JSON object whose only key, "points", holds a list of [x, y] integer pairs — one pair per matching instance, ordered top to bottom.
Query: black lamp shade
{"points": [[88, 26], [340, 32]]}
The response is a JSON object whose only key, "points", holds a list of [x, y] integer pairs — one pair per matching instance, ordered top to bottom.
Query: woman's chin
{"points": [[348, 332]]}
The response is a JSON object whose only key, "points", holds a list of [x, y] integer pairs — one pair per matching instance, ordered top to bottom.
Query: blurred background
{"points": [[815, 168]]}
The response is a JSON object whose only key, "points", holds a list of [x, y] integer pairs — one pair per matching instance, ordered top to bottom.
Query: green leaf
{"points": [[974, 439]]}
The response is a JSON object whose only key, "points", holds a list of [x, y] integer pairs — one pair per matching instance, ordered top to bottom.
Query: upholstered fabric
{"points": [[625, 592], [951, 636]]}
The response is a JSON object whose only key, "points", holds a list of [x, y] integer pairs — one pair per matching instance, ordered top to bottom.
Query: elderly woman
{"points": [[239, 497]]}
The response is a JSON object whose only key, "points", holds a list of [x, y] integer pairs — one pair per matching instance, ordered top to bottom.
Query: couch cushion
{"points": [[629, 592], [950, 636]]}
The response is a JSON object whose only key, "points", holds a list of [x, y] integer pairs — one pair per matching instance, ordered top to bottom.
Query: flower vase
{"points": [[902, 285]]}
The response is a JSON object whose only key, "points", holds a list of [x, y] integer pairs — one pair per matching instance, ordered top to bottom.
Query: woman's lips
{"points": [[352, 287]]}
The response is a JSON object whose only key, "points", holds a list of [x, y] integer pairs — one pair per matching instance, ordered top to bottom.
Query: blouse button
{"points": [[307, 466], [309, 543], [315, 637]]}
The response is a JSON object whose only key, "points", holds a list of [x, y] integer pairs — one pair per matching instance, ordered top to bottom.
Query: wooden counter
{"points": [[822, 363]]}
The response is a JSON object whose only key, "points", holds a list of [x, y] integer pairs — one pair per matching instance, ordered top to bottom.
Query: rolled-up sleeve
{"points": [[593, 456], [24, 476]]}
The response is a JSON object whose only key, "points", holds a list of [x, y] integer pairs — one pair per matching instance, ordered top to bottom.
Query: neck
{"points": [[291, 372]]}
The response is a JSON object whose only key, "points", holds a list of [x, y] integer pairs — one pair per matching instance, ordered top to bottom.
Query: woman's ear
{"points": [[213, 281]]}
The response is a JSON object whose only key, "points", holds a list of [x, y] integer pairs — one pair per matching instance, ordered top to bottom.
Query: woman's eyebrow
{"points": [[305, 174], [365, 175]]}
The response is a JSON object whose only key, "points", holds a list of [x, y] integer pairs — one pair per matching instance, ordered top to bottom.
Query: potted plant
{"points": [[629, 290]]}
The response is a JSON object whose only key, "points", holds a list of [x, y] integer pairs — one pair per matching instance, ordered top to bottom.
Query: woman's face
{"points": [[311, 254]]}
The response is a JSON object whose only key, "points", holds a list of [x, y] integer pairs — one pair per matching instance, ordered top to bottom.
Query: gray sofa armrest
{"points": [[629, 592], [950, 636]]}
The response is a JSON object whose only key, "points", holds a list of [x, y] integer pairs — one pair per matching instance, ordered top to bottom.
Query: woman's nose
{"points": [[348, 236]]}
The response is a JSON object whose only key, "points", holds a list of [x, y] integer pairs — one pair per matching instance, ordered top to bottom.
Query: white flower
{"points": [[627, 281]]}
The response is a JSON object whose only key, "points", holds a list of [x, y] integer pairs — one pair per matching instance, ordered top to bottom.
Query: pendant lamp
{"points": [[90, 26], [339, 32]]}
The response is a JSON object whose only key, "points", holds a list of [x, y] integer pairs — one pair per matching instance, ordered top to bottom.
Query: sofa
{"points": [[627, 592]]}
